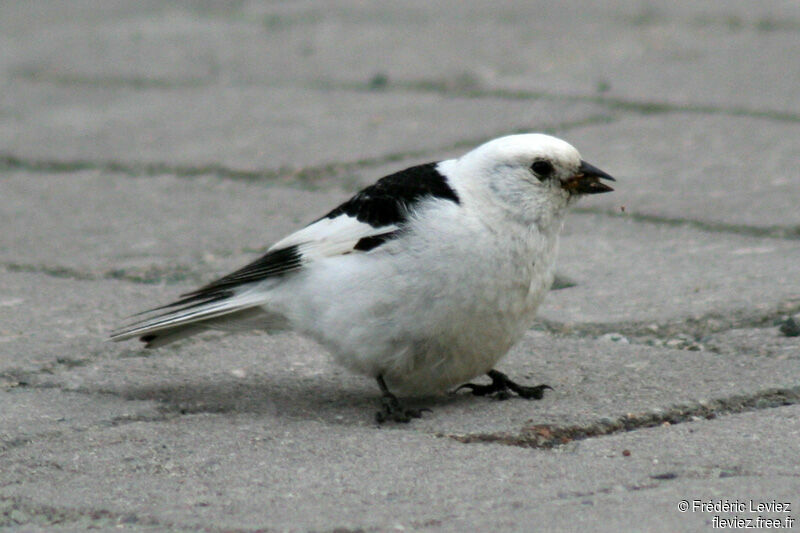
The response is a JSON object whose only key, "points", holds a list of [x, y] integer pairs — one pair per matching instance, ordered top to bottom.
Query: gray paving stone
{"points": [[685, 53], [689, 53], [252, 127], [146, 147], [678, 167], [713, 169], [99, 223], [216, 226], [631, 271], [49, 323], [60, 326], [756, 342], [285, 377], [290, 377], [32, 414], [681, 467], [235, 472]]}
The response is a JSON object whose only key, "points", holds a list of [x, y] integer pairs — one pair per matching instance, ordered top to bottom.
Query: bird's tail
{"points": [[226, 311]]}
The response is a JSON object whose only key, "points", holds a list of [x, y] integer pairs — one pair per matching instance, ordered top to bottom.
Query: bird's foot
{"points": [[501, 388], [393, 410]]}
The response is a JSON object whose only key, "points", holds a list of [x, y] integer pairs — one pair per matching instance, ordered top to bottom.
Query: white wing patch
{"points": [[328, 237]]}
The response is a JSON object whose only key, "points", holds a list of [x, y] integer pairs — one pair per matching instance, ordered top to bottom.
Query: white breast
{"points": [[430, 310]]}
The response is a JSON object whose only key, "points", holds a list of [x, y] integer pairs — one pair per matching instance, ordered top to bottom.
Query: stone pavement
{"points": [[146, 147]]}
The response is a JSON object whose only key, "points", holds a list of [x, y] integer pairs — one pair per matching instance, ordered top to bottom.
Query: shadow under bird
{"points": [[423, 280]]}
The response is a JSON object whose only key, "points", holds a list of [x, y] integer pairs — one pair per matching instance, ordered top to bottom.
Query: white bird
{"points": [[423, 280]]}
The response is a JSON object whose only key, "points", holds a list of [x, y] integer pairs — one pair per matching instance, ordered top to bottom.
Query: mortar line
{"points": [[441, 87], [467, 89], [610, 102], [303, 176], [774, 232], [146, 276], [711, 322], [695, 326], [591, 331], [163, 414], [548, 436], [52, 515]]}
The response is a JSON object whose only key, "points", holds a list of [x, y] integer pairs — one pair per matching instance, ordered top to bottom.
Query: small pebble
{"points": [[378, 81], [790, 327], [615, 337], [684, 342], [674, 343], [665, 475]]}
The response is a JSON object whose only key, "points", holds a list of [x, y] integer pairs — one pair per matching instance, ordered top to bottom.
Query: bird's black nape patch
{"points": [[389, 200]]}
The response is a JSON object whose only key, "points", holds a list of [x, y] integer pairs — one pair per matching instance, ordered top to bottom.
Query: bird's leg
{"points": [[502, 387], [391, 408]]}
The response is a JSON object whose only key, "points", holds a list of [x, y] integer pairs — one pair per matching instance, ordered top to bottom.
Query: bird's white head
{"points": [[532, 175]]}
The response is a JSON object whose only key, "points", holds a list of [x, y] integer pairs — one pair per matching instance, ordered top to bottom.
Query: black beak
{"points": [[587, 180]]}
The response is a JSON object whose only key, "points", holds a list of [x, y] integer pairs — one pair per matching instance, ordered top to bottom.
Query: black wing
{"points": [[388, 200], [384, 206], [372, 217], [273, 263]]}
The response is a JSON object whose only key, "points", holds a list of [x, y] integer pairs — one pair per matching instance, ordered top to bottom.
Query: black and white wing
{"points": [[372, 217]]}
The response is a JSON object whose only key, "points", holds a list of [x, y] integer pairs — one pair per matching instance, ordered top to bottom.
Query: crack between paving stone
{"points": [[108, 81], [459, 87], [464, 88], [471, 90], [10, 162], [307, 177], [775, 232], [152, 275], [697, 327], [693, 329], [26, 380], [19, 381], [166, 414], [543, 436], [548, 436], [20, 442], [657, 480], [652, 483], [17, 511]]}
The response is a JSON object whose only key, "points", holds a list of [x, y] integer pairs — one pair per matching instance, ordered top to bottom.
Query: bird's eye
{"points": [[542, 169]]}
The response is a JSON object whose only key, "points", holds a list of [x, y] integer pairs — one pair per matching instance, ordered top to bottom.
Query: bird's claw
{"points": [[501, 388], [500, 393], [531, 393], [393, 411]]}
